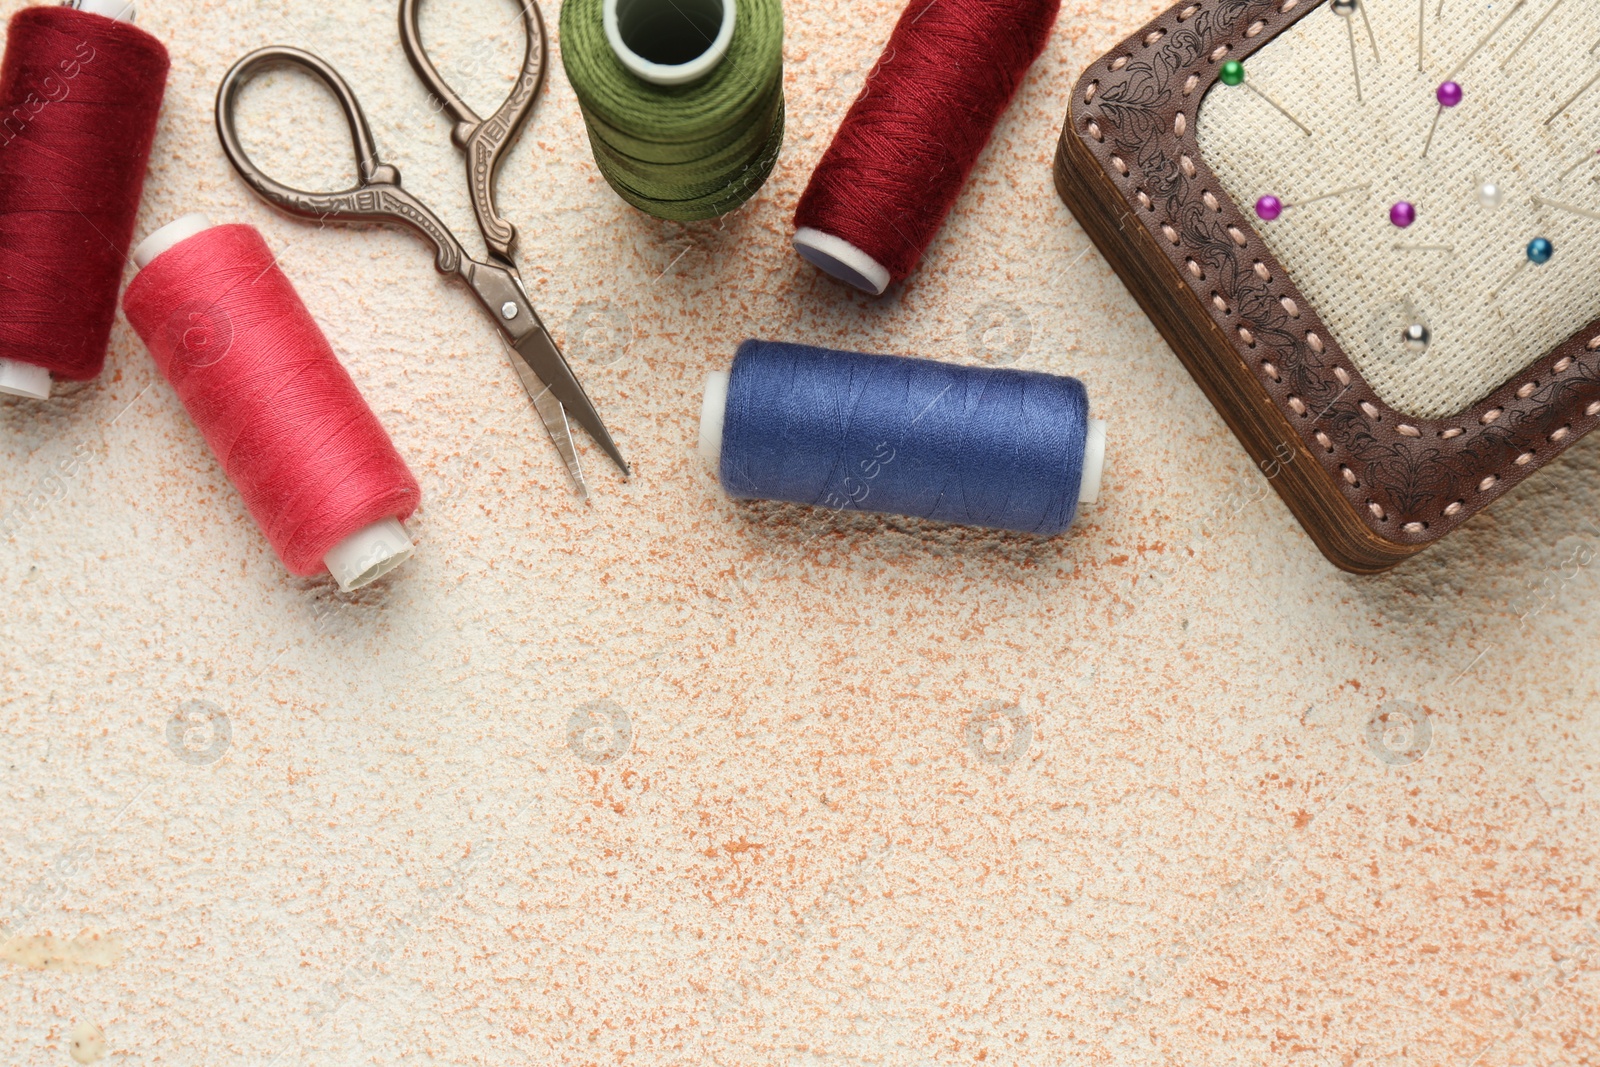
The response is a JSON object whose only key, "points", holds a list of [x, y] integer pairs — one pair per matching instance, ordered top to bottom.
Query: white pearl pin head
{"points": [[1490, 195]]}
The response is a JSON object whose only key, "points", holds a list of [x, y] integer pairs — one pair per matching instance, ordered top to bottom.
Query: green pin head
{"points": [[1233, 72]]}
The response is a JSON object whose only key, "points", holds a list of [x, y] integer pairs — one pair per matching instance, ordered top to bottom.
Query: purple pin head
{"points": [[1449, 94], [1269, 208], [1402, 214]]}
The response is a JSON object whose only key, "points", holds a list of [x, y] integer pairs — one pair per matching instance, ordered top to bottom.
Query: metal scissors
{"points": [[378, 197]]}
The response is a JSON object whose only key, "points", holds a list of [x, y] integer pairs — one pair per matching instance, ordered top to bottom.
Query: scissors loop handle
{"points": [[484, 140], [377, 197]]}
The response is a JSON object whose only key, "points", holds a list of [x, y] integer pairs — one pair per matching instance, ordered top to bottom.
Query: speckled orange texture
{"points": [[663, 779]]}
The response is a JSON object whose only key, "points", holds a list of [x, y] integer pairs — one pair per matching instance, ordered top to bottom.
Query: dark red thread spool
{"points": [[80, 93], [909, 141], [315, 467]]}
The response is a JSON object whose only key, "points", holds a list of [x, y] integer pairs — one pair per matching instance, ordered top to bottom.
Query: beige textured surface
{"points": [[1490, 311], [381, 829]]}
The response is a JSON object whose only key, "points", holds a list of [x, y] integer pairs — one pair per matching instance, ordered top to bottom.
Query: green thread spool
{"points": [[683, 99]]}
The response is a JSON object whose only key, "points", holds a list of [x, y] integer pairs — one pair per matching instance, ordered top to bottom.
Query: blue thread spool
{"points": [[999, 448]]}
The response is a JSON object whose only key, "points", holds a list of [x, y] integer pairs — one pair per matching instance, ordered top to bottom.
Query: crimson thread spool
{"points": [[80, 93], [909, 141], [259, 379]]}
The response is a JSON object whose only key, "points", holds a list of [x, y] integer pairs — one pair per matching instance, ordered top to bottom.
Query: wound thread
{"points": [[80, 94], [910, 140], [680, 151], [294, 435], [999, 448]]}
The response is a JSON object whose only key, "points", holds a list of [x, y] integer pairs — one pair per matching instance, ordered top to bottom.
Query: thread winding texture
{"points": [[79, 99], [911, 138], [681, 152], [257, 376], [998, 448]]}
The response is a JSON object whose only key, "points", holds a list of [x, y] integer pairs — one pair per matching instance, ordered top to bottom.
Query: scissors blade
{"points": [[541, 356], [555, 422]]}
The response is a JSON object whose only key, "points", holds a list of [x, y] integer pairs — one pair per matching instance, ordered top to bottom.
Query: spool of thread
{"points": [[80, 92], [683, 99], [909, 141], [257, 376], [999, 448]]}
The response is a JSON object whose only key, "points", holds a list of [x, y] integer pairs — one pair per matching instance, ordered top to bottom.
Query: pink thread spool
{"points": [[257, 376]]}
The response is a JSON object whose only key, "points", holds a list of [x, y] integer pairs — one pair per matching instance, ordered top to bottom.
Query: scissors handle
{"points": [[484, 140], [377, 198]]}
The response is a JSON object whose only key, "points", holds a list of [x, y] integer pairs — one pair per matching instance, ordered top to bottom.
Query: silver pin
{"points": [[1346, 9], [1537, 26], [1422, 32], [1372, 39], [1470, 56], [1590, 84], [1281, 109], [1431, 131], [1572, 169], [1330, 196], [1540, 201], [1451, 249], [1540, 251], [1509, 281]]}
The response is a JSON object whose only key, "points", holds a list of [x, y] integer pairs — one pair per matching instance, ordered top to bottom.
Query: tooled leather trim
{"points": [[1410, 480]]}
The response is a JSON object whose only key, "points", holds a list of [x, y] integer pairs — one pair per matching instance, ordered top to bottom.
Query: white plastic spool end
{"points": [[121, 10], [666, 62], [173, 233], [839, 258], [24, 379], [713, 410], [1094, 462], [369, 554]]}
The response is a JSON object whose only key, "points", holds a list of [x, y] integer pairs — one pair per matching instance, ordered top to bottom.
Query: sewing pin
{"points": [[1346, 10], [1537, 26], [1422, 32], [1372, 39], [1470, 56], [1232, 73], [1449, 95], [1574, 99], [1569, 171], [1540, 201], [1270, 207], [1451, 249], [1540, 251]]}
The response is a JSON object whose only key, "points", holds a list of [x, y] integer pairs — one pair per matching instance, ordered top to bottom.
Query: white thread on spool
{"points": [[121, 10], [637, 21], [842, 260], [24, 379], [713, 416], [364, 556]]}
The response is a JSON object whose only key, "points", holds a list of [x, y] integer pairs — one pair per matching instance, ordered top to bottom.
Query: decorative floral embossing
{"points": [[1412, 476]]}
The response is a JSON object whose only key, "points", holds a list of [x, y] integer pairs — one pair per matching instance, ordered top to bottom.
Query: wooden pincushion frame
{"points": [[1372, 486]]}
